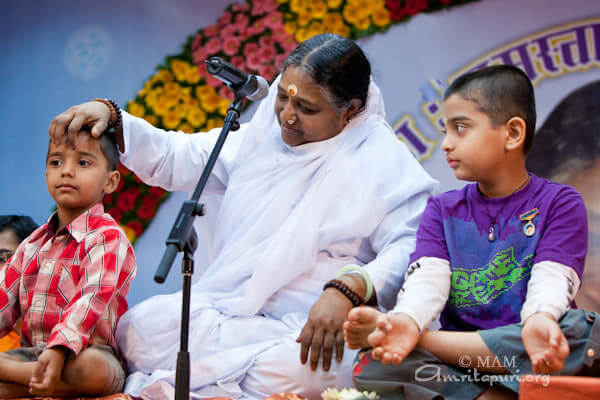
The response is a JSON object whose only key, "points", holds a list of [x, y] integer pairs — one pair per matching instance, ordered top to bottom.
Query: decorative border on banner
{"points": [[550, 53]]}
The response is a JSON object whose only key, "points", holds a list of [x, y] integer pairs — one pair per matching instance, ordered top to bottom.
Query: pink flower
{"points": [[269, 5], [240, 7], [257, 8], [225, 18], [274, 20], [240, 22], [257, 27], [211, 30], [228, 31], [243, 35], [266, 40], [197, 41], [288, 43], [213, 45], [231, 45], [250, 48], [266, 54], [200, 55], [253, 61], [238, 62], [267, 71], [226, 93]]}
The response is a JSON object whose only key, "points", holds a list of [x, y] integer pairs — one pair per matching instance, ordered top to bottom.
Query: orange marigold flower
{"points": [[333, 4], [381, 17], [363, 23], [136, 109], [196, 117], [152, 119], [170, 120]]}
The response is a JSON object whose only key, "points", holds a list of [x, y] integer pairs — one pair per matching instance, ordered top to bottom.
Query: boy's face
{"points": [[474, 148], [77, 174]]}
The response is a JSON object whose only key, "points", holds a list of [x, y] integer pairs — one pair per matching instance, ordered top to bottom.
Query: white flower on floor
{"points": [[348, 394]]}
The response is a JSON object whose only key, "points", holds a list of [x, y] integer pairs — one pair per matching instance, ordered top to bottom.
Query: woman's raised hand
{"points": [[93, 114]]}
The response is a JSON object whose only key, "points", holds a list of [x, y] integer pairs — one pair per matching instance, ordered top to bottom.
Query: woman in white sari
{"points": [[315, 181]]}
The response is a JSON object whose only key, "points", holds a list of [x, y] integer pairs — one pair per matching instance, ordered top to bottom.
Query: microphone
{"points": [[253, 87]]}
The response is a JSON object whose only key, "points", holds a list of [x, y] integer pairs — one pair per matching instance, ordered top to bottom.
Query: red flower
{"points": [[414, 7], [156, 192], [108, 199], [125, 203], [146, 211], [115, 213], [136, 226]]}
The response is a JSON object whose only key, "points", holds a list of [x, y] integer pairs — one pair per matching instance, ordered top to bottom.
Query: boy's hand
{"points": [[394, 337], [545, 343], [47, 372]]}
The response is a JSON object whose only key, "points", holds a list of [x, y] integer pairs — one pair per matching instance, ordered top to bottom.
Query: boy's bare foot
{"points": [[359, 324], [394, 337], [545, 343]]}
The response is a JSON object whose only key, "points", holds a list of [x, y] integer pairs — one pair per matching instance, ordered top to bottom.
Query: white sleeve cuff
{"points": [[551, 288], [425, 291]]}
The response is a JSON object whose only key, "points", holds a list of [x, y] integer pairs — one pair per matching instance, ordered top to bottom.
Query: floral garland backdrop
{"points": [[255, 36]]}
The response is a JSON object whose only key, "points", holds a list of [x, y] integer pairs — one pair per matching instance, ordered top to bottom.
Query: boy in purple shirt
{"points": [[501, 259]]}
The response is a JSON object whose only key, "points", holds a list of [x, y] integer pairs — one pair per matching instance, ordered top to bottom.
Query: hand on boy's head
{"points": [[94, 114], [545, 343], [47, 372]]}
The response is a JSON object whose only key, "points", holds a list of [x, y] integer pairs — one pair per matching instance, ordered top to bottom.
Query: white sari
{"points": [[289, 218]]}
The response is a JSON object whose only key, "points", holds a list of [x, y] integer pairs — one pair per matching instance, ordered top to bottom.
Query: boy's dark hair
{"points": [[501, 92], [569, 139], [109, 148], [21, 225]]}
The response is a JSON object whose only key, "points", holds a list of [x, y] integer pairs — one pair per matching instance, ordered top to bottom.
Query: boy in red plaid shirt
{"points": [[69, 280]]}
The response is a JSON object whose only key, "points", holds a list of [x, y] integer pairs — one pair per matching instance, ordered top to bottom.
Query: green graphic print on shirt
{"points": [[477, 286]]}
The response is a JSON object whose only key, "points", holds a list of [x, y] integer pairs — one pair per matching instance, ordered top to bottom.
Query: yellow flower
{"points": [[282, 1], [333, 4], [298, 6], [318, 9], [350, 13], [381, 17], [303, 19], [333, 21], [363, 23], [290, 27], [316, 28], [343, 30], [301, 35], [179, 69], [192, 75], [161, 76], [205, 91], [152, 98], [192, 102], [210, 103], [223, 106], [160, 108], [136, 109], [180, 110], [196, 117], [151, 119], [170, 120], [213, 123], [186, 128], [129, 232]]}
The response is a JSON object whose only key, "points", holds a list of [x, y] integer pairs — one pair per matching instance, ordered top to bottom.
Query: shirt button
{"points": [[38, 303], [591, 352]]}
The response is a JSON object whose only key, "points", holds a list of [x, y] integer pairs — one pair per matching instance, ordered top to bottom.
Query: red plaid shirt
{"points": [[69, 286]]}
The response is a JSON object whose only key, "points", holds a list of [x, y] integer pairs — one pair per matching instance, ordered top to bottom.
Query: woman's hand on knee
{"points": [[324, 330]]}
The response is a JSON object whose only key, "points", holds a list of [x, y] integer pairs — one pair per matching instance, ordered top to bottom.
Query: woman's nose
{"points": [[287, 113]]}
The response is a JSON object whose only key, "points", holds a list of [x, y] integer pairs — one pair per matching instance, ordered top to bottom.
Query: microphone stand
{"points": [[183, 238]]}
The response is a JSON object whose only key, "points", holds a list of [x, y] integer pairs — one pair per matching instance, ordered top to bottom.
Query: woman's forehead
{"points": [[299, 84]]}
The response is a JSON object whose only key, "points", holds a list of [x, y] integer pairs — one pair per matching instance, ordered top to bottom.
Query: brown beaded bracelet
{"points": [[115, 119], [355, 298]]}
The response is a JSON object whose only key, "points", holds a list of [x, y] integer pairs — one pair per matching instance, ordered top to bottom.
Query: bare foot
{"points": [[360, 323], [395, 336], [545, 343]]}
